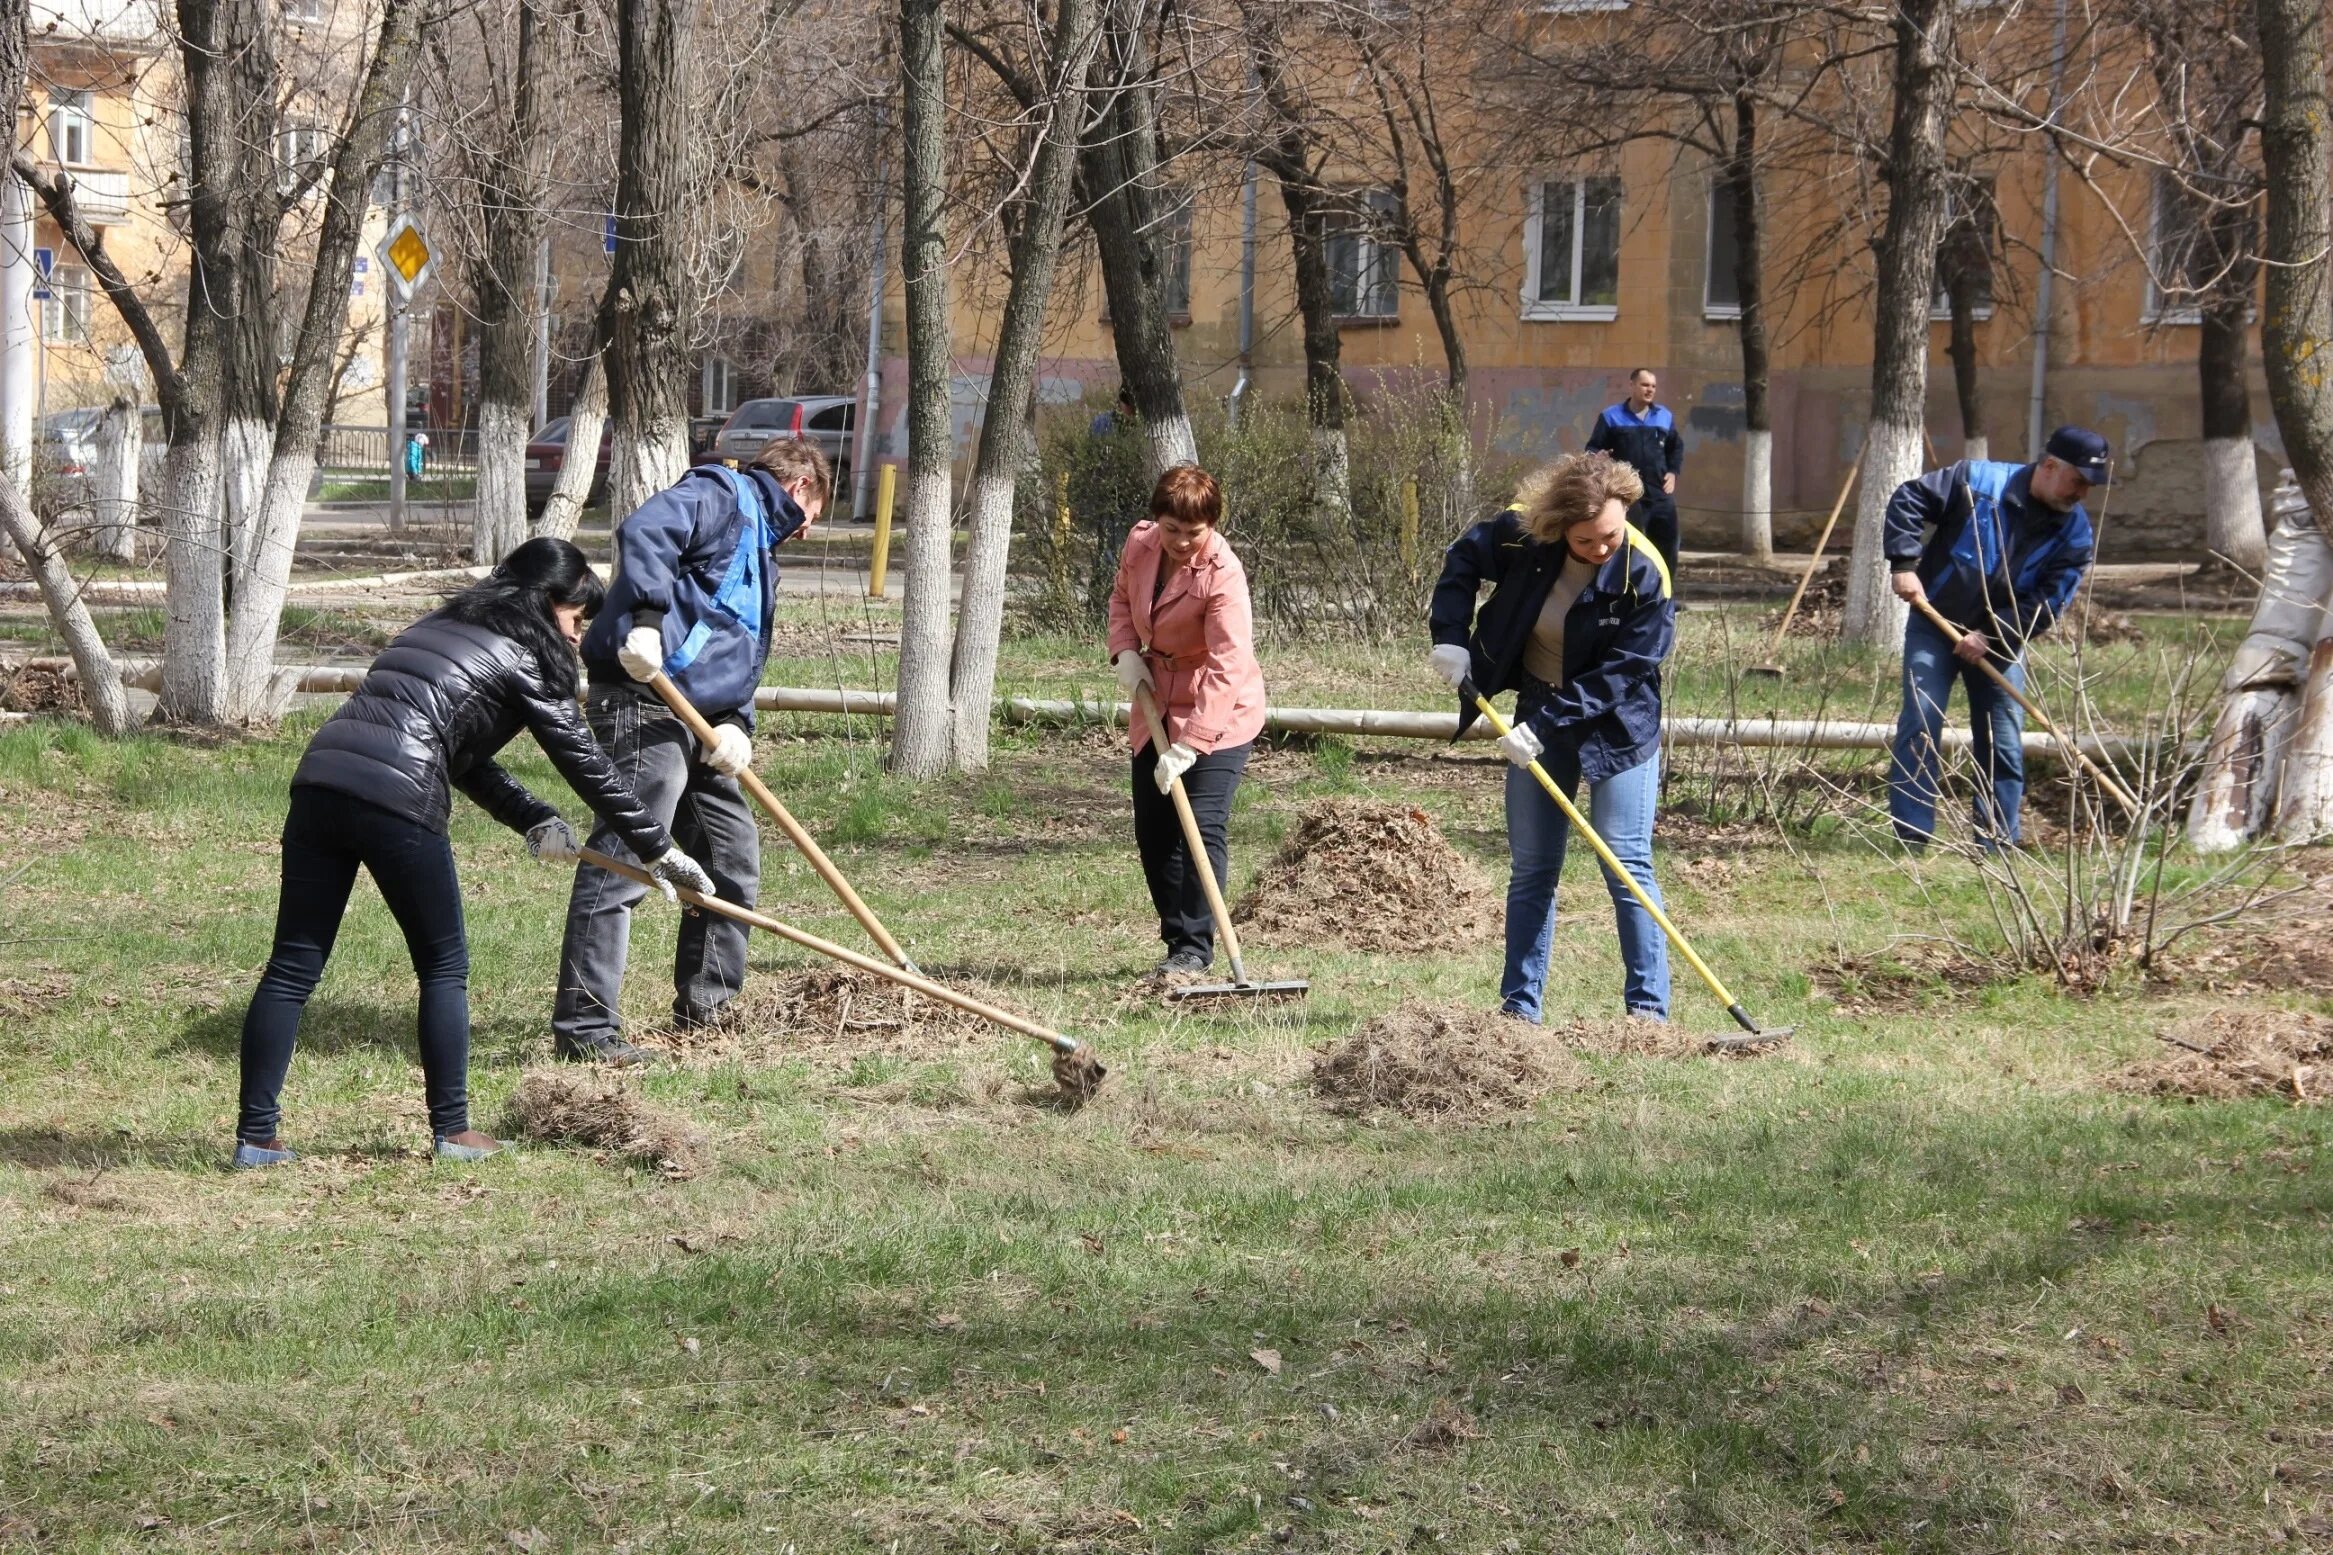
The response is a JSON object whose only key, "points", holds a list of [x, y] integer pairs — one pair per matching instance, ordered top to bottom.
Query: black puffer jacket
{"points": [[452, 690]]}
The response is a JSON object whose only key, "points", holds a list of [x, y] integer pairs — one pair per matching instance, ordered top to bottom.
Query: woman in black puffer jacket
{"points": [[375, 788]]}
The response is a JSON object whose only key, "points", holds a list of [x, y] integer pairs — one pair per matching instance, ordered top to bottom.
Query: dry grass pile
{"points": [[1821, 610], [2094, 623], [30, 690], [1372, 876], [831, 1008], [1632, 1038], [2231, 1054], [1449, 1063], [601, 1112]]}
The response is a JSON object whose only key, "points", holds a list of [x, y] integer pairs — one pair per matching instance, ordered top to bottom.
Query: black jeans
{"points": [[1656, 519], [655, 754], [326, 836], [1175, 888]]}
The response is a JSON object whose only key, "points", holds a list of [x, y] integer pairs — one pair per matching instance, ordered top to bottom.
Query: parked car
{"points": [[826, 420], [65, 452], [547, 456]]}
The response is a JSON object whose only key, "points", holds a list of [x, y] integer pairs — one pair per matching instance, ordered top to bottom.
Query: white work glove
{"points": [[642, 653], [1452, 663], [1134, 671], [1521, 745], [731, 751], [1173, 762], [553, 842], [675, 872]]}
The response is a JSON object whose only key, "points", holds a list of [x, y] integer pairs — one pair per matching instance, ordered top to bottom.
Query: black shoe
{"points": [[1185, 962], [687, 1017], [613, 1051]]}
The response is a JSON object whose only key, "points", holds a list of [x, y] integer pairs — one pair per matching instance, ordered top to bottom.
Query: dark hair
{"points": [[1635, 373], [791, 459], [1188, 494], [515, 599]]}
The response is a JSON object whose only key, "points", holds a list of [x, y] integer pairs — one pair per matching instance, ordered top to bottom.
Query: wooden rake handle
{"points": [[1816, 560], [2074, 752], [751, 781], [1192, 839], [906, 979]]}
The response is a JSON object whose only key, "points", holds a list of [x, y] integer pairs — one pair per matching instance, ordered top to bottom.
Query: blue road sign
{"points": [[607, 241]]}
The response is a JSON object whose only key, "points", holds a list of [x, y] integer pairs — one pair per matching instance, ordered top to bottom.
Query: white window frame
{"points": [[1573, 7], [307, 12], [72, 127], [292, 161], [1177, 223], [1372, 256], [2153, 309], [1540, 310], [65, 311], [1715, 311], [719, 371]]}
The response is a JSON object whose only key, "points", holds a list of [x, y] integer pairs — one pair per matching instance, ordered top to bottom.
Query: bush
{"points": [[1313, 567]]}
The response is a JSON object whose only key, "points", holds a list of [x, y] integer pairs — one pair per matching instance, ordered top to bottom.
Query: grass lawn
{"points": [[1918, 1282]]}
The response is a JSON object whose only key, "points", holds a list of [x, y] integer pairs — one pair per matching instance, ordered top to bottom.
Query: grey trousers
{"points": [[710, 821]]}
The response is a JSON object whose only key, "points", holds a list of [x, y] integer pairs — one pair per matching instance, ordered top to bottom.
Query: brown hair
{"points": [[791, 458], [1573, 490], [1188, 495]]}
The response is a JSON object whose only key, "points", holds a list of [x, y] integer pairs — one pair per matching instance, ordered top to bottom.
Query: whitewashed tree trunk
{"points": [[585, 422], [1172, 442], [246, 446], [1978, 447], [1892, 456], [641, 466], [1758, 495], [114, 500], [2231, 502], [498, 519], [194, 628], [256, 692], [109, 703], [2243, 764], [2304, 786]]}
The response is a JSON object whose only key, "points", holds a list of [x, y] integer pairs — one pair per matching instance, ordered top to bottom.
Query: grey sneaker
{"points": [[613, 1051], [452, 1148], [252, 1158]]}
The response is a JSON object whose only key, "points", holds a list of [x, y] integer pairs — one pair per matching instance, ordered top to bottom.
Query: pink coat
{"points": [[1199, 639]]}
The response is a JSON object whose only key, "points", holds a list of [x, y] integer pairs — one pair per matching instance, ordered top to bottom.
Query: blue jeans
{"points": [[1997, 724], [1621, 809], [326, 837]]}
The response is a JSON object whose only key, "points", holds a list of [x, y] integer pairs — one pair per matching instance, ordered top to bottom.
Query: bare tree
{"points": [[645, 314]]}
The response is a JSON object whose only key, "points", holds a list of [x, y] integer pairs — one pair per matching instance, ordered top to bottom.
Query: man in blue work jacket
{"points": [[1643, 434], [2005, 548], [695, 586]]}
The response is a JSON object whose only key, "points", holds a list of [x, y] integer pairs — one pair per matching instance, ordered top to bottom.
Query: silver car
{"points": [[826, 421]]}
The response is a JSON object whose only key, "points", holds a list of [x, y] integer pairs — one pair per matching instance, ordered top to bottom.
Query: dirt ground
{"points": [[1371, 876], [2234, 1053], [1444, 1063]]}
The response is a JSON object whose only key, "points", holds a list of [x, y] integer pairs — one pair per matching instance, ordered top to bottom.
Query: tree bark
{"points": [[1119, 170], [1741, 190], [510, 191], [1966, 267], [1907, 283], [643, 315], [2296, 328], [586, 422], [1004, 430], [120, 440], [2231, 475], [921, 735]]}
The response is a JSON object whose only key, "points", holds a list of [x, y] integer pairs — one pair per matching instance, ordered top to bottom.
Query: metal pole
{"points": [[2045, 288], [1247, 291], [19, 335], [393, 375], [542, 407], [865, 451]]}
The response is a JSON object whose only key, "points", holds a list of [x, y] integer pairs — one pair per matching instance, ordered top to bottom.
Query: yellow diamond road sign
{"points": [[408, 256]]}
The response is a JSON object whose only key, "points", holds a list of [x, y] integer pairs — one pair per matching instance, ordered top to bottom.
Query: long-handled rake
{"points": [[1773, 664], [2074, 752], [752, 784], [1239, 987], [1733, 1006], [1075, 1069]]}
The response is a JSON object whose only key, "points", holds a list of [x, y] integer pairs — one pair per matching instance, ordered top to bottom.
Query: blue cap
{"points": [[2082, 448]]}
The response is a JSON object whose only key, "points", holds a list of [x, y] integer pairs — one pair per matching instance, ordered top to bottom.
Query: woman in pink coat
{"points": [[1180, 624]]}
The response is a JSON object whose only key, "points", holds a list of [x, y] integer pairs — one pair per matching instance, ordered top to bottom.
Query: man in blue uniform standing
{"points": [[1644, 435], [2004, 549], [695, 587]]}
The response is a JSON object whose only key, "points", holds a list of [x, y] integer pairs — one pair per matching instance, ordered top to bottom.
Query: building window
{"points": [[1561, 7], [303, 10], [72, 131], [299, 150], [1970, 222], [1175, 247], [1571, 249], [1364, 269], [2177, 272], [1721, 289], [65, 311], [720, 386]]}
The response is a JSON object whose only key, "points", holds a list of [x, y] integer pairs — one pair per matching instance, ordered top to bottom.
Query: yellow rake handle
{"points": [[1612, 864]]}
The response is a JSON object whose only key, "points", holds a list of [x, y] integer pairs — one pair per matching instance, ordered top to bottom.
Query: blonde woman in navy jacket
{"points": [[1577, 625]]}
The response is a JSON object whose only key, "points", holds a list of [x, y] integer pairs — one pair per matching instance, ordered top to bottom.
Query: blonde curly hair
{"points": [[1573, 490]]}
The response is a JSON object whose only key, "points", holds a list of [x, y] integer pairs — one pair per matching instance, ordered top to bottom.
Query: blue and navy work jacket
{"points": [[1649, 442], [1993, 559], [699, 561], [1615, 636]]}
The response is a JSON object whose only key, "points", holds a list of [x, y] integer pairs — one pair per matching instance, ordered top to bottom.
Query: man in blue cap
{"points": [[2005, 548]]}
